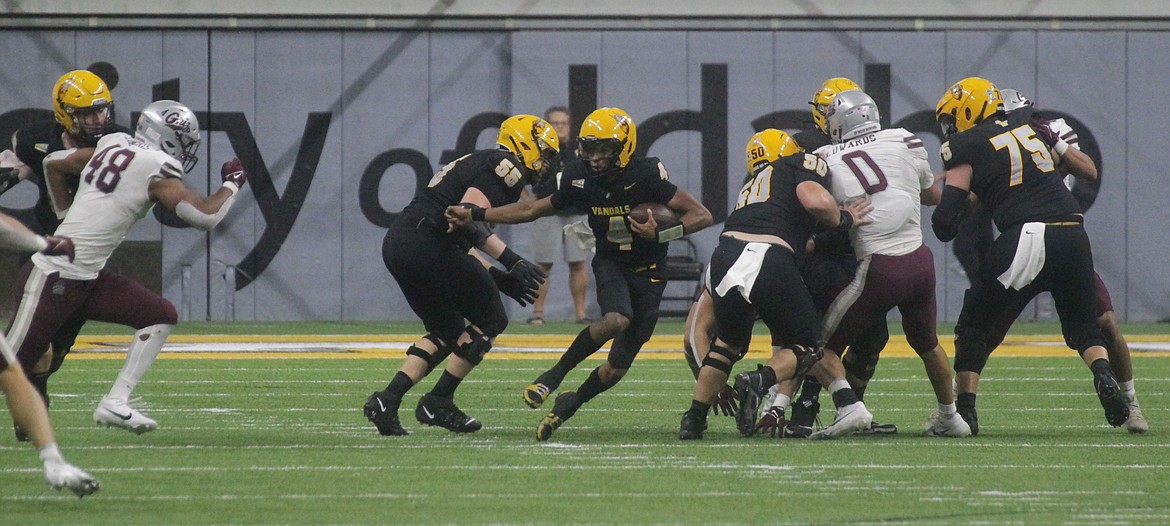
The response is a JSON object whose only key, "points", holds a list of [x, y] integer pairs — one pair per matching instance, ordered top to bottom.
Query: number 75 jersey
{"points": [[890, 168], [1013, 171], [112, 194]]}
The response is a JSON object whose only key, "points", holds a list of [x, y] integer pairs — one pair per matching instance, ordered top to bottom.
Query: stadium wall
{"points": [[349, 123]]}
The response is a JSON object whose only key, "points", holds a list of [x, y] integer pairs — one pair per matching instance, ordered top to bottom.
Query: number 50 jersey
{"points": [[889, 167], [1014, 174], [112, 194]]}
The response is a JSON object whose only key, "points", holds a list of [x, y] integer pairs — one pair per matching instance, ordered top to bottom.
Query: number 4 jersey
{"points": [[890, 168], [1014, 174], [112, 194]]}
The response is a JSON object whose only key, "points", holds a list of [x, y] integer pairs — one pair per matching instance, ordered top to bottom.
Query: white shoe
{"points": [[115, 413], [850, 419], [1136, 423], [951, 425], [65, 475]]}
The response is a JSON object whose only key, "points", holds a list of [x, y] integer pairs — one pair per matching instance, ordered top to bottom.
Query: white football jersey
{"points": [[889, 167], [111, 196]]}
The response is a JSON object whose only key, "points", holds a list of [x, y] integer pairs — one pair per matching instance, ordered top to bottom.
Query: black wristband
{"points": [[477, 212], [846, 221], [508, 258]]}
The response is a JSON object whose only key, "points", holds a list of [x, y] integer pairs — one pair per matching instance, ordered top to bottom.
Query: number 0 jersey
{"points": [[891, 169], [492, 172], [1014, 174], [112, 194], [608, 201], [768, 203]]}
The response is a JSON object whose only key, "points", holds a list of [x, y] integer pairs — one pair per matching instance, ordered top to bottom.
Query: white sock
{"points": [[139, 357], [838, 385], [781, 401], [946, 409], [50, 453]]}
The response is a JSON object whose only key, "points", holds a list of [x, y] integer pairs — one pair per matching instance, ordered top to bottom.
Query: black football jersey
{"points": [[31, 144], [1013, 171], [493, 172], [607, 201], [768, 204]]}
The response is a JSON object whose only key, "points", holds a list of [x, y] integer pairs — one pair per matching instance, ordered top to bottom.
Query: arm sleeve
{"points": [[949, 213], [192, 216]]}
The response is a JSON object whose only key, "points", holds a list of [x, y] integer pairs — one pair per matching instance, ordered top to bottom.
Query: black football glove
{"points": [[8, 178], [59, 246], [528, 274], [513, 288], [726, 402]]}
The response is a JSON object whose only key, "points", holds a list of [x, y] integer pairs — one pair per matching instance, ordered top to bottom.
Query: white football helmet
{"points": [[1014, 100], [852, 114], [173, 128]]}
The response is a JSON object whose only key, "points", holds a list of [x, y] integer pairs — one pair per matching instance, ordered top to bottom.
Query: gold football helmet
{"points": [[824, 96], [967, 103], [83, 105], [609, 133], [534, 142], [767, 146]]}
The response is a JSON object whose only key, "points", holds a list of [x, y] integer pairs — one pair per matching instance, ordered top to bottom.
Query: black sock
{"points": [[581, 348], [1100, 367], [41, 382], [399, 385], [445, 387], [592, 387], [811, 389], [860, 391], [845, 397], [966, 400], [699, 409]]}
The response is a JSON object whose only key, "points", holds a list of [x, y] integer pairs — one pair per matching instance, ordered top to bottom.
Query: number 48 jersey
{"points": [[890, 168], [112, 194]]}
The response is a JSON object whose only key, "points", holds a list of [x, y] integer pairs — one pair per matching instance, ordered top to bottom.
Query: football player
{"points": [[83, 112], [1008, 162], [890, 169], [119, 180], [607, 182], [754, 273], [446, 282], [24, 402]]}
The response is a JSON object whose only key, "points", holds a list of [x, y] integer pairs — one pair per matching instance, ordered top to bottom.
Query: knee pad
{"points": [[474, 350], [971, 350], [731, 357], [806, 357], [861, 367]]}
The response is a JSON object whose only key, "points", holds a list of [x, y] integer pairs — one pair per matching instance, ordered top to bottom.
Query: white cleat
{"points": [[115, 413], [850, 419], [1136, 423], [951, 425], [65, 475]]}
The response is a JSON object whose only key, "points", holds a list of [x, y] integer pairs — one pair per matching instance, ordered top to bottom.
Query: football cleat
{"points": [[749, 390], [535, 394], [1112, 398], [382, 410], [435, 411], [805, 411], [115, 413], [971, 417], [850, 419], [553, 420], [1136, 423], [951, 425], [691, 427], [879, 429], [65, 475]]}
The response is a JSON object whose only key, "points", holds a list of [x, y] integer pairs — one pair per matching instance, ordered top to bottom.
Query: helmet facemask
{"points": [[594, 149]]}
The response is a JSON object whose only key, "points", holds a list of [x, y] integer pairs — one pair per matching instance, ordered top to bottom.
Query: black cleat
{"points": [[749, 389], [1112, 399], [563, 405], [382, 410], [435, 411], [805, 411], [970, 417], [691, 427], [879, 429]]}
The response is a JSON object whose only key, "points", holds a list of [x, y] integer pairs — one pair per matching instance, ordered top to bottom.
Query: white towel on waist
{"points": [[581, 234], [1029, 259], [742, 275]]}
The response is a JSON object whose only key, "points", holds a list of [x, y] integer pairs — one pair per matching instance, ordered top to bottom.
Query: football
{"points": [[663, 215]]}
